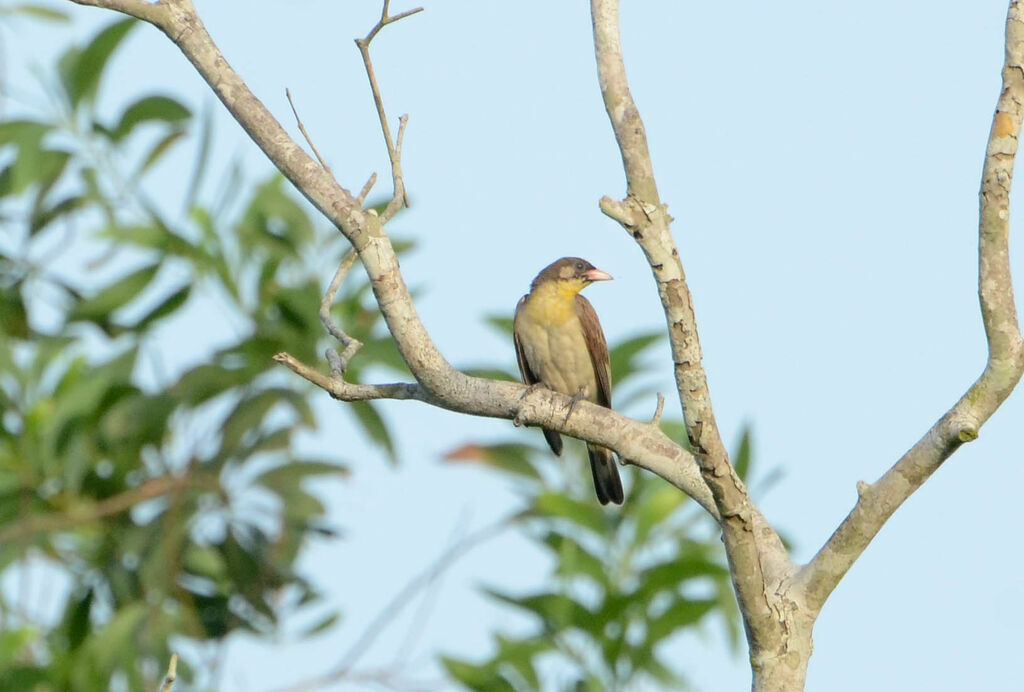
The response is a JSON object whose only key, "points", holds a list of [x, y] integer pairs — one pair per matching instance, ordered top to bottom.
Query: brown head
{"points": [[571, 270]]}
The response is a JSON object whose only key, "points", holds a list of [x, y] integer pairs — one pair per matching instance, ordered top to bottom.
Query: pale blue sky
{"points": [[822, 162]]}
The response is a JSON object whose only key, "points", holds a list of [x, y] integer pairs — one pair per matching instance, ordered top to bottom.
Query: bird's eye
{"points": [[579, 266]]}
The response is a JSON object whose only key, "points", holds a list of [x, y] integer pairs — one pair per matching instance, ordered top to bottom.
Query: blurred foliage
{"points": [[144, 505], [624, 580]]}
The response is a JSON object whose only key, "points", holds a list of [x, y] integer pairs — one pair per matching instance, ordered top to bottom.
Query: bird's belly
{"points": [[559, 357]]}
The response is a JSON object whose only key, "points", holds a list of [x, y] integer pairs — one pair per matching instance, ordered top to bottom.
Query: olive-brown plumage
{"points": [[560, 345]]}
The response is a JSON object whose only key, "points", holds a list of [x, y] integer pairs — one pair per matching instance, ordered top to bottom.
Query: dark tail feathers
{"points": [[606, 476]]}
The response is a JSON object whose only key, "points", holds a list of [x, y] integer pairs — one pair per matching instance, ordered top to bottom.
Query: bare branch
{"points": [[154, 13], [302, 129], [366, 188], [399, 197], [644, 216], [339, 363], [1005, 364], [437, 382], [348, 391], [656, 418], [757, 557], [172, 674]]}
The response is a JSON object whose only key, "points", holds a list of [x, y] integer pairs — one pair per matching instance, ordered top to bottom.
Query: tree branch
{"points": [[154, 13], [302, 129], [399, 198], [339, 363], [1005, 364], [437, 382], [755, 552], [172, 675]]}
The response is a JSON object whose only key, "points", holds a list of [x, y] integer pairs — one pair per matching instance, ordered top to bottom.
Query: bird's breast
{"points": [[552, 340]]}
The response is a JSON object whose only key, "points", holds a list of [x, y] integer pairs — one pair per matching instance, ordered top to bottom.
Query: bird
{"points": [[560, 345]]}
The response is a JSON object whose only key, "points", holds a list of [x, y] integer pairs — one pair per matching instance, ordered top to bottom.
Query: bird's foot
{"points": [[530, 390], [572, 405], [517, 419]]}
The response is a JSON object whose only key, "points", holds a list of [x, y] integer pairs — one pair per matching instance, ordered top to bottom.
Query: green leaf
{"points": [[39, 12], [82, 69], [149, 109], [23, 133], [162, 146], [202, 158], [33, 166], [43, 217], [154, 236], [167, 306], [99, 307], [15, 317], [501, 322], [624, 356], [491, 373], [206, 381], [245, 418], [374, 426], [676, 431], [741, 457], [511, 458], [294, 472], [557, 505], [657, 506], [573, 559], [671, 574], [558, 611], [681, 613], [78, 620], [321, 625], [116, 639], [12, 642], [520, 654], [476, 677]]}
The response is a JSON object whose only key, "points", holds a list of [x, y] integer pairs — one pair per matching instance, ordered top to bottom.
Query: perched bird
{"points": [[560, 345]]}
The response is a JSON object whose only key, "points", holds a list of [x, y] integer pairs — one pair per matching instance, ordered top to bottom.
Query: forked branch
{"points": [[399, 197], [1005, 364], [758, 559]]}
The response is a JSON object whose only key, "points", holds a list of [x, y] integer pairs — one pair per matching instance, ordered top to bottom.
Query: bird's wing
{"points": [[598, 348], [524, 368]]}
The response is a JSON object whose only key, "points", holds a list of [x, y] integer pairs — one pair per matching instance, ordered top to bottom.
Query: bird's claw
{"points": [[530, 390], [572, 405], [517, 420]]}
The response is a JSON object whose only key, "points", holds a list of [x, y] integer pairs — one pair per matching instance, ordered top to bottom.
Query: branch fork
{"points": [[779, 600]]}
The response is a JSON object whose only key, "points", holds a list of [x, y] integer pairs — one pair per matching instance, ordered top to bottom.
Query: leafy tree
{"points": [[145, 486], [171, 501], [593, 619]]}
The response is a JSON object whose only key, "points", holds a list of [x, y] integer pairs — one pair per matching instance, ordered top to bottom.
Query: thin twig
{"points": [[402, 122], [302, 129], [366, 188], [399, 197], [339, 363], [349, 391], [656, 418], [399, 601], [172, 674]]}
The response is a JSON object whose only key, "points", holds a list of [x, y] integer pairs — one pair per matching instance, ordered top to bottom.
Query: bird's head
{"points": [[570, 273]]}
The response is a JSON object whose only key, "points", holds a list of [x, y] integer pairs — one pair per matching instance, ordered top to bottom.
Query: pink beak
{"points": [[597, 275]]}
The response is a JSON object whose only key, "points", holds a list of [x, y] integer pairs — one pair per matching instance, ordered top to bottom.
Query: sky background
{"points": [[822, 162]]}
